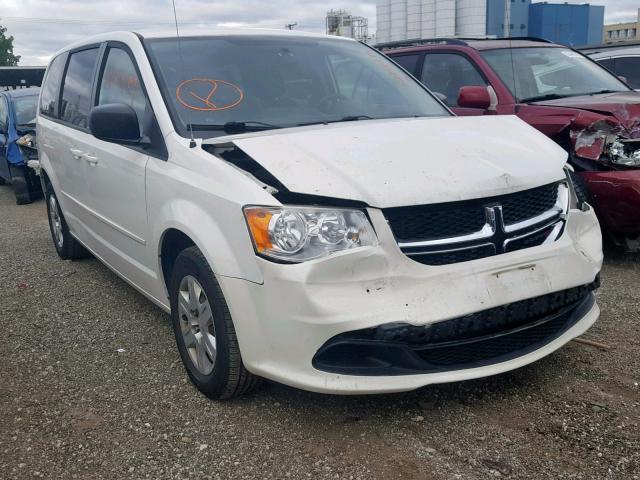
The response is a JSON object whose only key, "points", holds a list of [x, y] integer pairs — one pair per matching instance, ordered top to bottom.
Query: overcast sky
{"points": [[41, 27]]}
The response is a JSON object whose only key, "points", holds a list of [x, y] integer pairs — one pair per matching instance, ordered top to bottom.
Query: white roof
{"points": [[203, 31]]}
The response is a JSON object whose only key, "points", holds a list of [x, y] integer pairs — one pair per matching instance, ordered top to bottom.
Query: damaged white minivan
{"points": [[310, 214]]}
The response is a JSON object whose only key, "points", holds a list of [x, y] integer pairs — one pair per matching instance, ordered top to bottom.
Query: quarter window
{"points": [[408, 62], [607, 63], [629, 68], [447, 73], [120, 83], [51, 86], [76, 92]]}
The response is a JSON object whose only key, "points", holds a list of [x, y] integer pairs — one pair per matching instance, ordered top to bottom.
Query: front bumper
{"points": [[616, 197], [284, 322]]}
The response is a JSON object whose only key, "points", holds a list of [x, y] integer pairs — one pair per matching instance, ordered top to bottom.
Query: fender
{"points": [[229, 251]]}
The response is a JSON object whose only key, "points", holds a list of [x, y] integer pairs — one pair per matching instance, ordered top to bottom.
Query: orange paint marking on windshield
{"points": [[200, 94]]}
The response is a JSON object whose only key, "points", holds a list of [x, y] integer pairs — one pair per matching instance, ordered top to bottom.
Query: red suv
{"points": [[585, 108]]}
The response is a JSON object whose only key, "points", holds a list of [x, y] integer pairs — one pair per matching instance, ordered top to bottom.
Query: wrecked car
{"points": [[586, 109], [18, 142], [309, 213]]}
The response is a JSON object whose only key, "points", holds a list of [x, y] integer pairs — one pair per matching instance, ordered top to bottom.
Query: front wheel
{"points": [[68, 248], [204, 330]]}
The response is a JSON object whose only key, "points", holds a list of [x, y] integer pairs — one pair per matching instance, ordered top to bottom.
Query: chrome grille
{"points": [[457, 232]]}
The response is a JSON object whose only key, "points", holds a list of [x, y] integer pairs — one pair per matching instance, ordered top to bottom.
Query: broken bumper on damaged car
{"points": [[608, 154], [374, 320]]}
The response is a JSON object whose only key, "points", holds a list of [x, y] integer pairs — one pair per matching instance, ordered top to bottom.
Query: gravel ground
{"points": [[91, 387]]}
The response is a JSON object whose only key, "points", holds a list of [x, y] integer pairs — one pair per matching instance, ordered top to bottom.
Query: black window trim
{"points": [[100, 47], [65, 57], [155, 68], [417, 70], [158, 148]]}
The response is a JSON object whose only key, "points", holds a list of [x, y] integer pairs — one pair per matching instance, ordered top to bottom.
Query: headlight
{"points": [[27, 140], [625, 153], [298, 234]]}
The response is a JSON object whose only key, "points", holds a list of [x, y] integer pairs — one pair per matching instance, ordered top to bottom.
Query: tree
{"points": [[7, 58]]}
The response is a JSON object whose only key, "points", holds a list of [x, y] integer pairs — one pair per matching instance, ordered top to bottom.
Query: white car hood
{"points": [[388, 163]]}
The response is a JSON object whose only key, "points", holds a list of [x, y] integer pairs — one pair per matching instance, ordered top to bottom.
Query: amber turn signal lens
{"points": [[258, 220]]}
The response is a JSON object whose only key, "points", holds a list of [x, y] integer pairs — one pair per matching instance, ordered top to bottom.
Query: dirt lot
{"points": [[91, 387]]}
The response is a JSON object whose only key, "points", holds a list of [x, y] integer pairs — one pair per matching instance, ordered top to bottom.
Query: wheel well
{"points": [[45, 179], [173, 242]]}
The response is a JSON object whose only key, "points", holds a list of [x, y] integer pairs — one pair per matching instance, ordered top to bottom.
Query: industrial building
{"points": [[407, 19], [341, 23], [575, 25], [622, 32]]}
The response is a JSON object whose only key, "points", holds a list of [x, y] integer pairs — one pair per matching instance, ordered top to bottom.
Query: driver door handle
{"points": [[77, 154], [92, 159]]}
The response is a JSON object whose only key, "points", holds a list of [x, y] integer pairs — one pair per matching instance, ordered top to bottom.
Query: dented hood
{"points": [[624, 106], [387, 163]]}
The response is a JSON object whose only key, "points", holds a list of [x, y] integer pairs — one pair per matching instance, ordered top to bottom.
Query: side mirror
{"points": [[623, 78], [474, 97], [116, 123]]}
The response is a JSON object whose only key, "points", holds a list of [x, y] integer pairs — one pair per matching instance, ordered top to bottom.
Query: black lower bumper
{"points": [[479, 339]]}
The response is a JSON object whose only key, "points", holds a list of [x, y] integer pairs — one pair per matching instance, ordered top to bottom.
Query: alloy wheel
{"points": [[56, 221], [196, 325]]}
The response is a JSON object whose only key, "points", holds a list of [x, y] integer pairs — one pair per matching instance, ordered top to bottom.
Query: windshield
{"points": [[540, 73], [278, 81], [25, 109]]}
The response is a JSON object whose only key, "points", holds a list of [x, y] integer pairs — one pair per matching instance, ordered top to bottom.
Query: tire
{"points": [[2, 181], [20, 184], [580, 187], [68, 248], [201, 319]]}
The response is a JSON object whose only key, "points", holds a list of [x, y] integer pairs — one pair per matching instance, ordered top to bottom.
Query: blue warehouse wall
{"points": [[520, 18], [519, 25], [574, 25]]}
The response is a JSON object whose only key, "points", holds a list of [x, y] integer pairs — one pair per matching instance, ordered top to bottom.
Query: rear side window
{"points": [[408, 62], [629, 68], [447, 73], [120, 83], [51, 86], [76, 91], [24, 109]]}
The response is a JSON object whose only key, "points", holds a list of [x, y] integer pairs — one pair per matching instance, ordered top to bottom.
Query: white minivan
{"points": [[309, 213]]}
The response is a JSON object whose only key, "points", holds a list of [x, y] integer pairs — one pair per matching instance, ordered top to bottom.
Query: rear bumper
{"points": [[616, 196], [284, 322]]}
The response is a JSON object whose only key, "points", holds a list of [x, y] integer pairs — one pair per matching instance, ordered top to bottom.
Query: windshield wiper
{"points": [[605, 90], [548, 96], [555, 96], [348, 118], [234, 127]]}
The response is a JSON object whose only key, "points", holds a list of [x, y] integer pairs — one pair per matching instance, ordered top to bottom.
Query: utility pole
{"points": [[289, 26]]}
